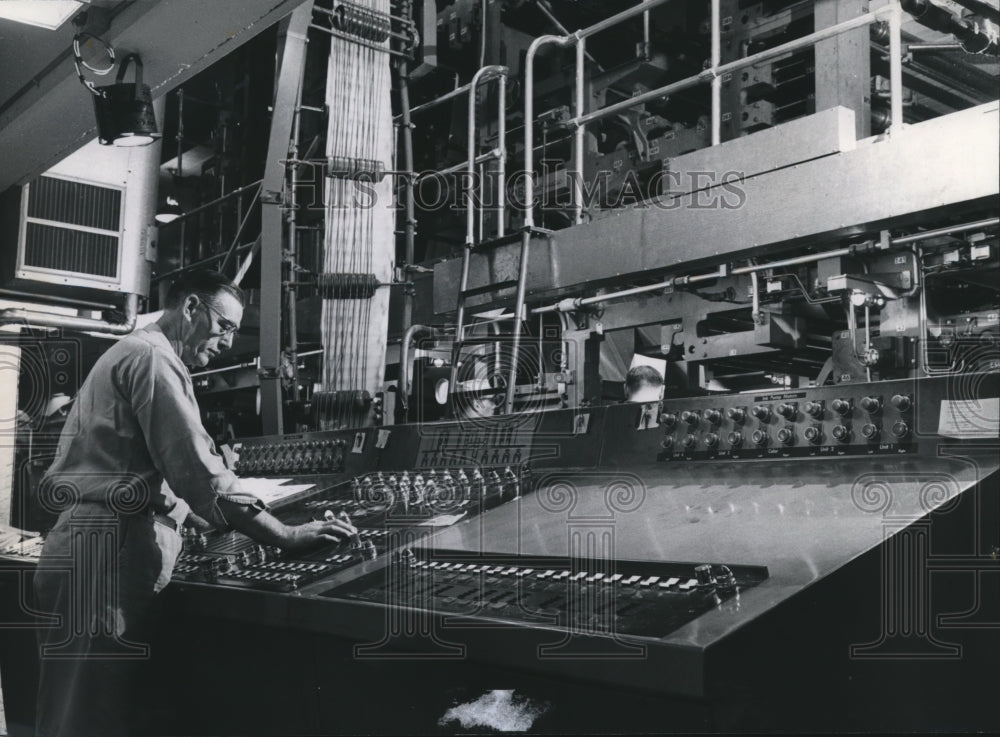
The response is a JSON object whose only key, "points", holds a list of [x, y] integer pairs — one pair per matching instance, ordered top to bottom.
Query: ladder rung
{"points": [[487, 288], [490, 321], [482, 340]]}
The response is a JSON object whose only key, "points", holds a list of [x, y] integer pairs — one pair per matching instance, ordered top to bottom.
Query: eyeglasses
{"points": [[226, 327]]}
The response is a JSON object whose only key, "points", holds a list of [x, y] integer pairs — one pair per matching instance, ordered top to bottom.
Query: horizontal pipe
{"points": [[614, 20], [359, 41], [935, 47], [497, 71], [708, 74], [495, 153], [213, 203], [916, 237], [202, 262], [46, 298], [572, 304], [71, 322]]}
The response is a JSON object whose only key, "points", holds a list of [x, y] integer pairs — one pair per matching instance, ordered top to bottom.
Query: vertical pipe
{"points": [[645, 36], [291, 42], [896, 67], [716, 79], [529, 119], [180, 132], [502, 156], [576, 173], [529, 205], [482, 210], [409, 226], [293, 245]]}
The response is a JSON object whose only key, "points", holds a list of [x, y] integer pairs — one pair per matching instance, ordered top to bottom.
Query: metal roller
{"points": [[357, 21], [347, 286]]}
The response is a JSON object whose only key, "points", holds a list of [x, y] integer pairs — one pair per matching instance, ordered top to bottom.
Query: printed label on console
{"points": [[779, 397], [969, 418]]}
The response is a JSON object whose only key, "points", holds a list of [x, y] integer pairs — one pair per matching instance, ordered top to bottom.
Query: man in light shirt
{"points": [[135, 424]]}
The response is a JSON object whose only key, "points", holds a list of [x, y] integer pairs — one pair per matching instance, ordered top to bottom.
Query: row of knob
{"points": [[787, 410], [787, 436], [296, 456], [433, 487], [706, 575]]}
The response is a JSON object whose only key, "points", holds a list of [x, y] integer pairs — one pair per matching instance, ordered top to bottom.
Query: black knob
{"points": [[902, 402], [871, 405], [841, 406], [814, 409], [787, 410], [761, 412], [737, 415], [713, 416], [691, 418], [668, 419], [900, 429], [869, 432], [841, 433], [814, 434], [786, 435], [759, 437], [711, 439], [735, 439], [668, 441], [690, 441], [703, 574], [725, 580]]}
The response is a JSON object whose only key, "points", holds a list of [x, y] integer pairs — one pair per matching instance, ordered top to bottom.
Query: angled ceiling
{"points": [[46, 114]]}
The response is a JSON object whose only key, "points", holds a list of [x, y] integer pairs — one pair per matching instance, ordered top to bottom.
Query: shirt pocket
{"points": [[169, 541]]}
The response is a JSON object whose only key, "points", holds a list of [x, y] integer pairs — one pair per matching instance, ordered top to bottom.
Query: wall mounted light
{"points": [[124, 110]]}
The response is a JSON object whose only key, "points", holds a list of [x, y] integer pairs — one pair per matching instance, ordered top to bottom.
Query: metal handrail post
{"points": [[895, 67], [716, 79], [576, 173]]}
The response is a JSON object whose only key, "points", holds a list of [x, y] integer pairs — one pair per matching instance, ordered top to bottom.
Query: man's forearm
{"points": [[262, 526]]}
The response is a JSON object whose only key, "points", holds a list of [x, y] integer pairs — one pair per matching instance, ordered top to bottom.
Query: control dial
{"points": [[902, 402], [871, 405], [841, 406], [814, 409], [788, 410], [761, 412], [737, 414], [713, 416], [691, 418], [668, 419], [900, 429], [870, 432], [841, 433], [814, 434], [786, 435], [759, 437], [711, 439], [735, 439], [690, 441]]}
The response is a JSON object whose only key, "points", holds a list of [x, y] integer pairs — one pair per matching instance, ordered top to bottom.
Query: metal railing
{"points": [[713, 75]]}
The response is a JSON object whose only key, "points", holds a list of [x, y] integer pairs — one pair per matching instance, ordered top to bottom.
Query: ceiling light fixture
{"points": [[124, 110]]}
